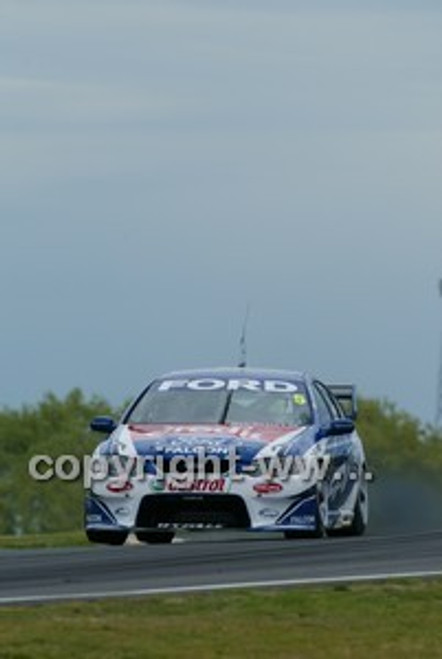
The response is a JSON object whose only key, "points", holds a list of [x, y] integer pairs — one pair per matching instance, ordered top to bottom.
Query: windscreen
{"points": [[276, 402]]}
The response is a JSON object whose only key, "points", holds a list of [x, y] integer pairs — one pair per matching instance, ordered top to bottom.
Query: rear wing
{"points": [[345, 394]]}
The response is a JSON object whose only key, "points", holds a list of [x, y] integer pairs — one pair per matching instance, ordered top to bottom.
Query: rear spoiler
{"points": [[345, 394]]}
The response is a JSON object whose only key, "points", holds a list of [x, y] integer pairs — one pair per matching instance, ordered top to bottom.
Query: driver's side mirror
{"points": [[104, 424], [337, 427]]}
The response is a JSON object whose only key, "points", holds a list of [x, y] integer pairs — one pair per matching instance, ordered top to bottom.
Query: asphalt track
{"points": [[212, 563]]}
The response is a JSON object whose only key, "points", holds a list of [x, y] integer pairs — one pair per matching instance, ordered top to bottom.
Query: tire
{"points": [[356, 528], [107, 537], [155, 537]]}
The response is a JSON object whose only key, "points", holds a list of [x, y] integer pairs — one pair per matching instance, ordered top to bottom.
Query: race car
{"points": [[263, 450]]}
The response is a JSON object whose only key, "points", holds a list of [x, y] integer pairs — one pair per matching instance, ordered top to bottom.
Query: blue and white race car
{"points": [[263, 450]]}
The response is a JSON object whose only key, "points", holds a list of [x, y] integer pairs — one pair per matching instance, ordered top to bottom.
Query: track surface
{"points": [[97, 571]]}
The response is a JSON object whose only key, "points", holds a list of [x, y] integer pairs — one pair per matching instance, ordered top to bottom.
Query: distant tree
{"points": [[54, 427], [397, 442]]}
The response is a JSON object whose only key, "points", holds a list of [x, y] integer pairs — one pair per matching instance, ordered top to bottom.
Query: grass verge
{"points": [[64, 539], [397, 620]]}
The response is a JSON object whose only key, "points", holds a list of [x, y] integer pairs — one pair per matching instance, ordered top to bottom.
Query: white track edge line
{"points": [[278, 583]]}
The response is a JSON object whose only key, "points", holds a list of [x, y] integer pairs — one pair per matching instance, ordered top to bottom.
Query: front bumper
{"points": [[253, 503]]}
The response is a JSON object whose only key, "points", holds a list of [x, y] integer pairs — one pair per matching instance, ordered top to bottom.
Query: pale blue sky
{"points": [[162, 163]]}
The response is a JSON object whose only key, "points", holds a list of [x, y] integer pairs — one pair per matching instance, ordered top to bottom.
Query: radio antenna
{"points": [[243, 340]]}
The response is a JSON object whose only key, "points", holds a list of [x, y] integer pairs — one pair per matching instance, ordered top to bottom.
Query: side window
{"points": [[331, 402], [325, 415]]}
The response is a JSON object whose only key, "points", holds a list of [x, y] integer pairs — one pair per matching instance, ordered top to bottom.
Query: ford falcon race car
{"points": [[263, 450]]}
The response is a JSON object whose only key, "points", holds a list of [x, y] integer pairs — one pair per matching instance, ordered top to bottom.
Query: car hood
{"points": [[245, 439]]}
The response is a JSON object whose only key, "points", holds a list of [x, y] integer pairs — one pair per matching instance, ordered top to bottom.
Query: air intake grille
{"points": [[198, 510]]}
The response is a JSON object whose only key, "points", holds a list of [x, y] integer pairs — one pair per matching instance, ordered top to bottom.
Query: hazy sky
{"points": [[163, 163]]}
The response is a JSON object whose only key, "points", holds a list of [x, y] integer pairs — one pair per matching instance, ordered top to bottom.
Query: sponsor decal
{"points": [[214, 384], [219, 433], [183, 450], [158, 485], [197, 485], [119, 486], [267, 488], [94, 507], [302, 509], [122, 511], [268, 513], [93, 518], [301, 520], [188, 525]]}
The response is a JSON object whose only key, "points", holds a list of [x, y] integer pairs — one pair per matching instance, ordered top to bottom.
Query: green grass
{"points": [[64, 539], [396, 620]]}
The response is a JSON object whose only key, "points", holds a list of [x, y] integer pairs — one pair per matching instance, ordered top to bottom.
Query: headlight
{"points": [[111, 465]]}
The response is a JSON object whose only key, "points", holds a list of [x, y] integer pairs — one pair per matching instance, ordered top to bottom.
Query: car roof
{"points": [[236, 372]]}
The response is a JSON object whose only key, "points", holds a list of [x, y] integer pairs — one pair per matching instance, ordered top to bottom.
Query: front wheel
{"points": [[360, 516], [357, 527], [107, 537], [155, 537]]}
